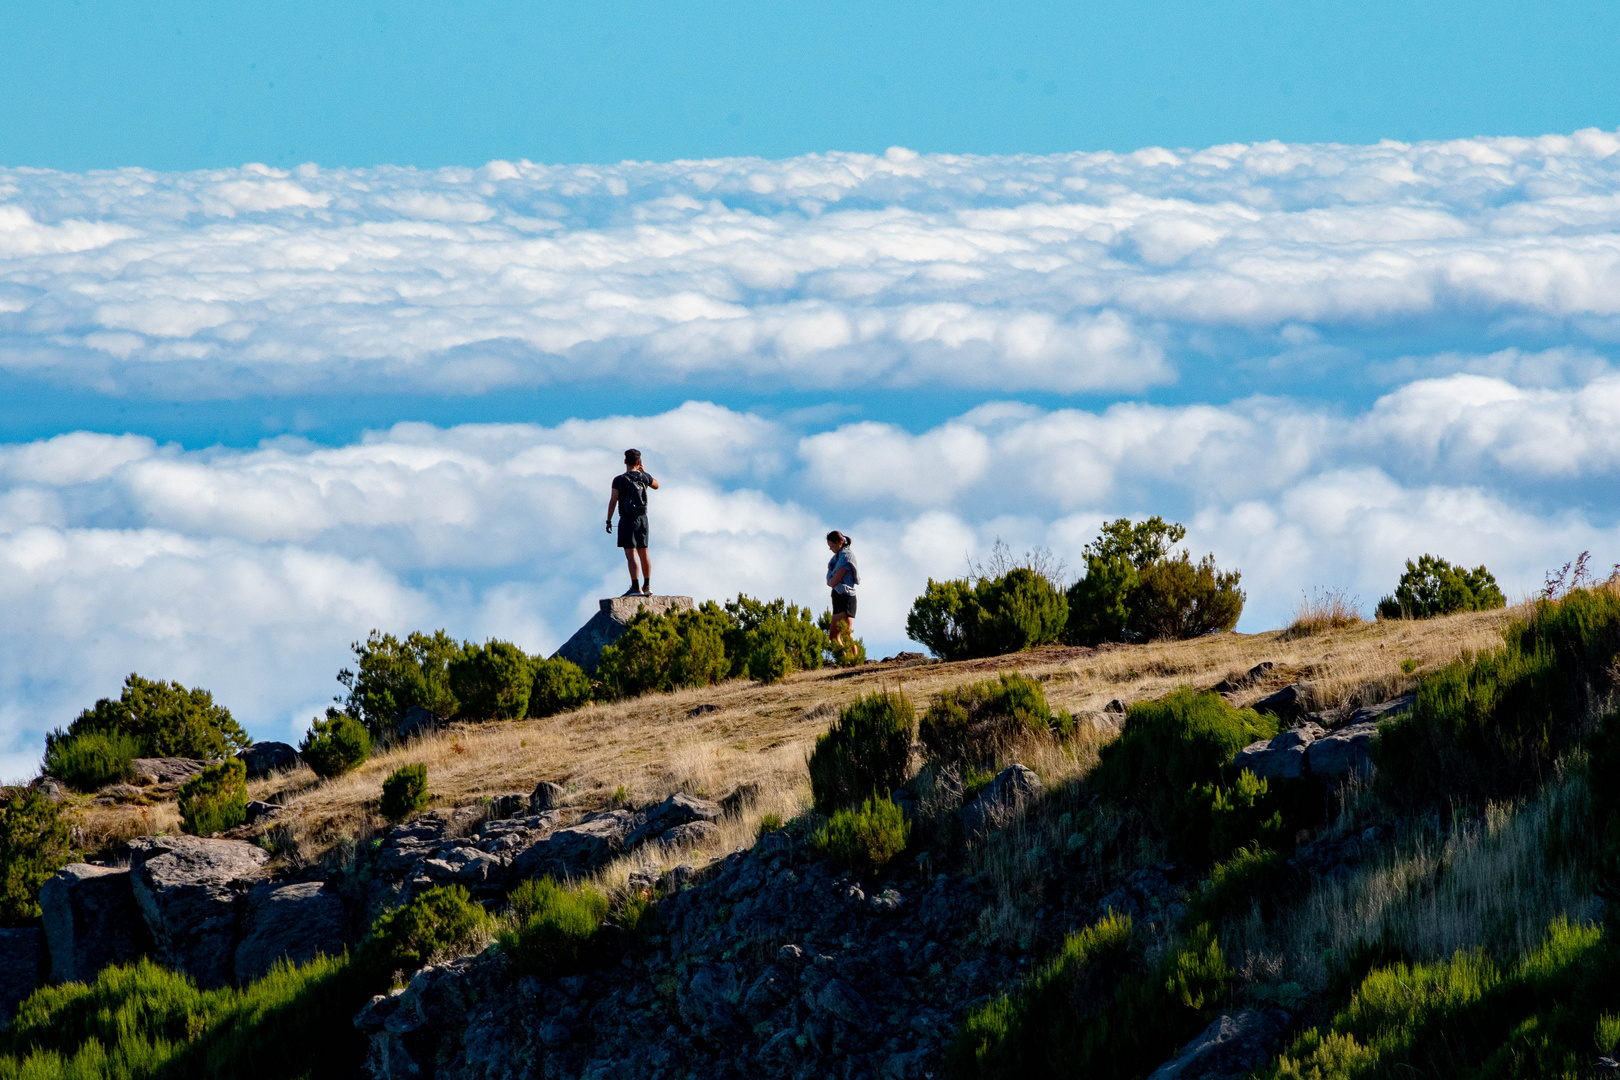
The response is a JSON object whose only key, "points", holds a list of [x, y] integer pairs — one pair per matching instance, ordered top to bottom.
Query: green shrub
{"points": [[1432, 586], [1136, 589], [991, 616], [756, 629], [659, 653], [768, 659], [391, 676], [492, 681], [559, 686], [167, 719], [981, 723], [1492, 725], [335, 745], [864, 753], [91, 759], [1170, 762], [1603, 780], [405, 792], [215, 799], [1245, 813], [865, 838], [35, 842], [1252, 876], [441, 922], [553, 928], [1098, 1009], [1470, 1016], [144, 1021]]}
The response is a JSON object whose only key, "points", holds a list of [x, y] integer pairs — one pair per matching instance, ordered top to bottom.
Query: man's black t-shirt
{"points": [[632, 489]]}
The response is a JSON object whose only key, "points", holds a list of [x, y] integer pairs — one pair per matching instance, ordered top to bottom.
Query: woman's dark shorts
{"points": [[633, 532], [844, 604]]}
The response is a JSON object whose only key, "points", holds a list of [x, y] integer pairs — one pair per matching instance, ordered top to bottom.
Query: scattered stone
{"points": [[905, 658], [1243, 682], [1288, 703], [1115, 706], [703, 710], [1384, 710], [417, 721], [1102, 722], [1338, 754], [1281, 757], [264, 758], [167, 770], [52, 788], [1012, 789], [123, 792], [547, 796], [742, 799], [508, 804], [679, 809], [257, 810], [694, 834], [187, 888], [91, 920], [297, 922], [22, 967], [1230, 1048]]}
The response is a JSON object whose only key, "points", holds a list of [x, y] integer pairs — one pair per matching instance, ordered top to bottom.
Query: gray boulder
{"points": [[609, 624], [1246, 680], [1288, 703], [1384, 710], [417, 721], [1338, 754], [1281, 757], [264, 758], [166, 770], [1012, 789], [547, 796], [742, 799], [508, 804], [679, 809], [257, 810], [693, 834], [578, 850], [465, 865], [188, 890], [91, 921], [296, 922], [22, 964], [1229, 1048]]}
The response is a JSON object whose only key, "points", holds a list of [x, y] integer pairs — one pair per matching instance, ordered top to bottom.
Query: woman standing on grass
{"points": [[843, 576]]}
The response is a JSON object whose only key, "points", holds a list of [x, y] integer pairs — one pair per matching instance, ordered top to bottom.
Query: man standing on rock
{"points": [[630, 496]]}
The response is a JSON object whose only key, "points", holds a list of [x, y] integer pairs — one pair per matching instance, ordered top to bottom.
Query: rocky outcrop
{"points": [[609, 624], [1287, 704], [1309, 751], [1339, 754], [1281, 757], [264, 758], [166, 770], [546, 796], [1002, 798], [675, 812], [577, 850], [188, 890], [91, 920], [295, 922], [22, 968], [1229, 1049]]}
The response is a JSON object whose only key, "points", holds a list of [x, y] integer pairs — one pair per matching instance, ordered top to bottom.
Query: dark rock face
{"points": [[610, 623], [1243, 682], [1286, 704], [417, 721], [1311, 752], [1339, 753], [1282, 757], [264, 758], [166, 770], [1013, 788], [547, 796], [740, 800], [257, 810], [677, 810], [577, 850], [188, 889], [91, 920], [296, 922], [771, 964], [22, 968], [1229, 1048]]}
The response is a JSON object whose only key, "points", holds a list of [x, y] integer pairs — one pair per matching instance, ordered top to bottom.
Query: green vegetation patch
{"points": [[1432, 586], [1136, 588], [988, 616], [391, 676], [492, 681], [559, 686], [149, 718], [981, 723], [335, 745], [863, 753], [91, 759], [405, 792], [215, 799], [867, 837], [35, 842], [442, 921], [553, 928]]}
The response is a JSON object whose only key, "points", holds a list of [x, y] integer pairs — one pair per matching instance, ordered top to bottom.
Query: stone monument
{"points": [[609, 624]]}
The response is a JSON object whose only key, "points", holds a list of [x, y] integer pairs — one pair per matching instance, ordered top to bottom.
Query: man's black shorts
{"points": [[633, 532], [844, 604]]}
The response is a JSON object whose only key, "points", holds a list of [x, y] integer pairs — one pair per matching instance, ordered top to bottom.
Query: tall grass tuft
{"points": [[1323, 611], [91, 759]]}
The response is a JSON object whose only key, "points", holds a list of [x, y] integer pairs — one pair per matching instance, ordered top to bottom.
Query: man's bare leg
{"points": [[630, 564], [646, 567]]}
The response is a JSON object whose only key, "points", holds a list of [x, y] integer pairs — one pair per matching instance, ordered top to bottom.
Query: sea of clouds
{"points": [[1324, 359]]}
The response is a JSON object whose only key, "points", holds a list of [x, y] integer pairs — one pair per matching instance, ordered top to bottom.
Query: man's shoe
{"points": [[633, 590], [646, 590]]}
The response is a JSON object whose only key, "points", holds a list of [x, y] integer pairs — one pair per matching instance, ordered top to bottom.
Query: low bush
{"points": [[1432, 586], [1136, 588], [988, 616], [765, 638], [663, 652], [391, 676], [492, 681], [559, 686], [167, 719], [981, 723], [1492, 725], [335, 745], [863, 753], [91, 759], [1171, 762], [405, 792], [215, 799], [865, 838], [35, 842], [1251, 877], [439, 923], [553, 928], [1098, 1009], [1544, 1016], [143, 1022]]}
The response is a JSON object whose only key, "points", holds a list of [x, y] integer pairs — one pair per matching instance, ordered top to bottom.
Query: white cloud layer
{"points": [[1073, 272], [250, 571]]}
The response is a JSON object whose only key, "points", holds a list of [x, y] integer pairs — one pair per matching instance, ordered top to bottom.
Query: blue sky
{"points": [[320, 318]]}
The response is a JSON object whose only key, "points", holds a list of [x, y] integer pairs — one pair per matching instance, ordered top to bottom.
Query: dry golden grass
{"points": [[1324, 610], [653, 746]]}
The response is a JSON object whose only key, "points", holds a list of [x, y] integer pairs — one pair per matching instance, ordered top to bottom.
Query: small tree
{"points": [[1432, 586], [1137, 589], [1018, 609], [759, 628], [391, 676], [492, 681], [559, 686], [168, 719], [981, 723], [335, 745], [863, 753], [405, 792], [215, 799], [34, 844]]}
